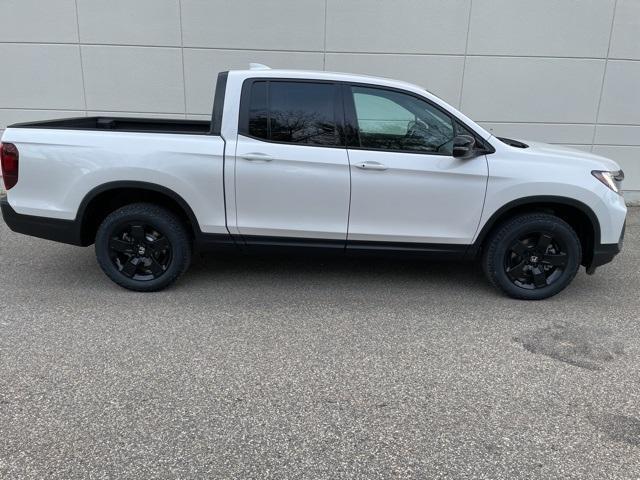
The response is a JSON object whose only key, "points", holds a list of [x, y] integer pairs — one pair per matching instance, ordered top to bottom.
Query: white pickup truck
{"points": [[313, 160]]}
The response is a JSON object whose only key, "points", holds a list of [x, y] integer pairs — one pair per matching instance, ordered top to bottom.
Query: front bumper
{"points": [[65, 231], [605, 253]]}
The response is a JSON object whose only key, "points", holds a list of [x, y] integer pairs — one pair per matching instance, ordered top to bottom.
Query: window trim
{"points": [[218, 103], [245, 105], [345, 115], [352, 128]]}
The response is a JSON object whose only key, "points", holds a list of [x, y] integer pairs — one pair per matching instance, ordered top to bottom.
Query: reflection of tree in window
{"points": [[258, 110], [298, 112], [302, 113], [258, 125], [298, 126]]}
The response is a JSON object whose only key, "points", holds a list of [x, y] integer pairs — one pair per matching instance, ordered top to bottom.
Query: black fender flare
{"points": [[134, 184], [537, 200]]}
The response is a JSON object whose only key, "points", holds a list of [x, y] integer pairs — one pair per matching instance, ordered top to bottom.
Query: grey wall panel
{"points": [[38, 21], [139, 22], [284, 25], [408, 26], [565, 28], [625, 38], [41, 77], [138, 79], [527, 89], [621, 93], [617, 135]]}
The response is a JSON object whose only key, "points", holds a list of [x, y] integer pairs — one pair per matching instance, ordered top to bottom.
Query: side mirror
{"points": [[463, 146]]}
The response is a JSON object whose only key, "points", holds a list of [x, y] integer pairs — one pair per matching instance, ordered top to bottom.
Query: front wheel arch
{"points": [[577, 214]]}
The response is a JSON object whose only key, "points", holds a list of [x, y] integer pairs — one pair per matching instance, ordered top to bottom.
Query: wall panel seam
{"points": [[324, 45], [466, 51], [338, 52], [604, 73], [184, 75], [84, 86]]}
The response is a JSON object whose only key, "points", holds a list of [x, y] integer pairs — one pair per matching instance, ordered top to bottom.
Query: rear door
{"points": [[291, 165], [406, 186]]}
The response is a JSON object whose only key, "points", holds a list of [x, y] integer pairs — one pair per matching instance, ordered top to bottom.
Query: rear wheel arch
{"points": [[106, 198], [577, 214]]}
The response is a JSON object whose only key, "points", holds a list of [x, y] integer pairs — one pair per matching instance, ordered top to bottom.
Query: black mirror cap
{"points": [[463, 146]]}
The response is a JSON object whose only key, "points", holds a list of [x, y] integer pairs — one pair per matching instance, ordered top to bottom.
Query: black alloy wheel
{"points": [[143, 247], [140, 252], [532, 256], [535, 260]]}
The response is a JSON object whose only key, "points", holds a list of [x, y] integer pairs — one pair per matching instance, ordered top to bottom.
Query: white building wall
{"points": [[561, 71]]}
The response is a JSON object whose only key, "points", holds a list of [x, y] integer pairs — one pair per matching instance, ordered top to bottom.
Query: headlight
{"points": [[613, 180]]}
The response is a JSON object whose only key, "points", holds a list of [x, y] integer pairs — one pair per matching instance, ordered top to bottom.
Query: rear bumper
{"points": [[65, 231], [605, 253]]}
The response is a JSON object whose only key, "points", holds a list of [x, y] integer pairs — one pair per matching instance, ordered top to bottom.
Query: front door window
{"points": [[395, 121]]}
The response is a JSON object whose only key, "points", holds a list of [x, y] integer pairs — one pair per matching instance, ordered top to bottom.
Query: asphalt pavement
{"points": [[273, 367]]}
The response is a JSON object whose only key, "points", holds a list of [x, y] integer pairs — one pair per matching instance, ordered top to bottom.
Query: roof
{"points": [[263, 71]]}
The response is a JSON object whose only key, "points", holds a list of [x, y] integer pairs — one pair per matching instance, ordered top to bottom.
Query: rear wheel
{"points": [[143, 247], [532, 256]]}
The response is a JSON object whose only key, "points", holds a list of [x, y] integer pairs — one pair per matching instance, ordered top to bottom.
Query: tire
{"points": [[143, 247], [532, 256]]}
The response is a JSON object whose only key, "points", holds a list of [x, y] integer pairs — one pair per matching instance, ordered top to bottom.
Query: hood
{"points": [[562, 154]]}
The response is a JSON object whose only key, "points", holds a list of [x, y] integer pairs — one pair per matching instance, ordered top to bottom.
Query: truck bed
{"points": [[124, 124]]}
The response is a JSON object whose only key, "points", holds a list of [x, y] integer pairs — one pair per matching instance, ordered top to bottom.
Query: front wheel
{"points": [[143, 247], [532, 256]]}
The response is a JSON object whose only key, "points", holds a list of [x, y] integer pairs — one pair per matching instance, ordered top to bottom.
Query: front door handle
{"points": [[257, 157], [371, 166]]}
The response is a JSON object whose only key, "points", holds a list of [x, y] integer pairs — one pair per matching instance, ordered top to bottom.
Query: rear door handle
{"points": [[257, 157], [371, 166]]}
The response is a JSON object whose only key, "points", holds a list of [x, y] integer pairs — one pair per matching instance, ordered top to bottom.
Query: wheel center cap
{"points": [[141, 250], [533, 259]]}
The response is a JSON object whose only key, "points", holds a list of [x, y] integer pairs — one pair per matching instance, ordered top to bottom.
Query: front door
{"points": [[291, 167], [406, 185]]}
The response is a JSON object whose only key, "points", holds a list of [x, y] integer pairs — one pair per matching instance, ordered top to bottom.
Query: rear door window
{"points": [[302, 113]]}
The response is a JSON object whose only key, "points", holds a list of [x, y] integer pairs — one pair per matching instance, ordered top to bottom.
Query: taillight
{"points": [[9, 161]]}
